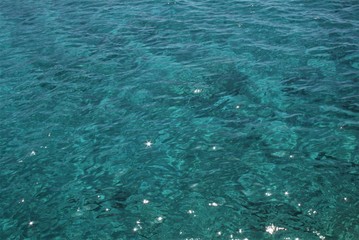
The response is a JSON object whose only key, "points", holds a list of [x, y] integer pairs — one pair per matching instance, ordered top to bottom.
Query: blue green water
{"points": [[179, 119]]}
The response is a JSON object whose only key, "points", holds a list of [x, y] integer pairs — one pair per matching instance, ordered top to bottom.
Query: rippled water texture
{"points": [[179, 119]]}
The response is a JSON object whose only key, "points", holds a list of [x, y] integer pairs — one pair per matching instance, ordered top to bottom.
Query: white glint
{"points": [[148, 144], [145, 201], [213, 204], [312, 212], [159, 219], [138, 227], [272, 229], [319, 235]]}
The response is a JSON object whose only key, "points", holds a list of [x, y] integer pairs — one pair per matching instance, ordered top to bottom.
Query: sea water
{"points": [[179, 119]]}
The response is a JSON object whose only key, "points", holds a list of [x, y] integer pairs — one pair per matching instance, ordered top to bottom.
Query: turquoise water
{"points": [[179, 119]]}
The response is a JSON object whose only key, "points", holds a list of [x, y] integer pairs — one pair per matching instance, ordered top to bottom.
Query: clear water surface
{"points": [[179, 119]]}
